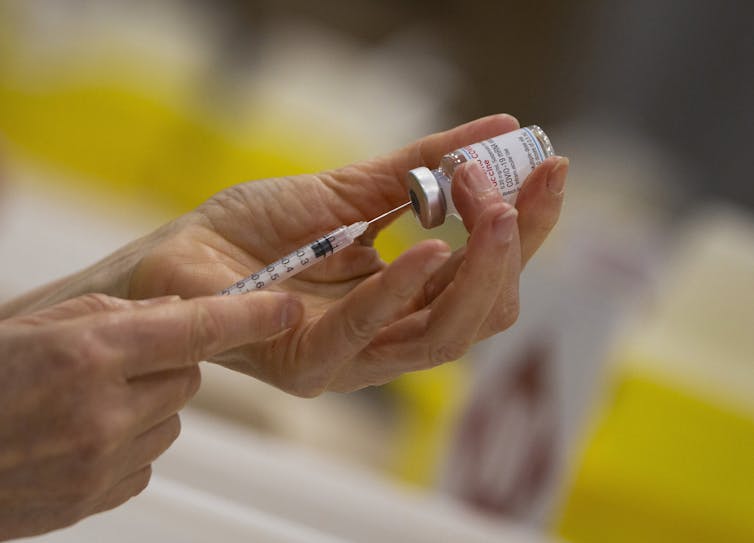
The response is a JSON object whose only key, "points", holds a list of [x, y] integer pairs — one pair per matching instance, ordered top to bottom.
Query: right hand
{"points": [[366, 322], [89, 394]]}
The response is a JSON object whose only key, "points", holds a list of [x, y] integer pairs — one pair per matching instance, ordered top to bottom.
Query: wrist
{"points": [[109, 276]]}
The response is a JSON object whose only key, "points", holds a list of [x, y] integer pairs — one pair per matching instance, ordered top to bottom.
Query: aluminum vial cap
{"points": [[427, 198]]}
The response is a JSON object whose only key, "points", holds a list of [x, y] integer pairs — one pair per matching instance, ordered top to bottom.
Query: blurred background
{"points": [[620, 407]]}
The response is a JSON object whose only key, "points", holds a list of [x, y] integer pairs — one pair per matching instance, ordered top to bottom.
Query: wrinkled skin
{"points": [[365, 322], [90, 392]]}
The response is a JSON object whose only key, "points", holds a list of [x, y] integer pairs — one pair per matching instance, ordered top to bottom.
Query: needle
{"points": [[389, 212], [303, 257]]}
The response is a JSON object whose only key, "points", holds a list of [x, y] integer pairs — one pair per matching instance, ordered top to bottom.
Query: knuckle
{"points": [[227, 198], [398, 288], [429, 292], [96, 301], [505, 316], [358, 328], [204, 333], [86, 351], [91, 351], [447, 351], [193, 381], [306, 387], [307, 390], [173, 429], [100, 436], [96, 442], [86, 478], [142, 481]]}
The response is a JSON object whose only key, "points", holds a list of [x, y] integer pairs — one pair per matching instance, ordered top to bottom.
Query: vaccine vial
{"points": [[507, 160]]}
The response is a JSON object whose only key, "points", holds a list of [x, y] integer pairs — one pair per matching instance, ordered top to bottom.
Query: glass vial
{"points": [[507, 160]]}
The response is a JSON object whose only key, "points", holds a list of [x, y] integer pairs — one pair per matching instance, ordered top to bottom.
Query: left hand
{"points": [[365, 322], [90, 391]]}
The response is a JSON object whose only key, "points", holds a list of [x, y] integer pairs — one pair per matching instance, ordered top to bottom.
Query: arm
{"points": [[111, 276], [365, 322]]}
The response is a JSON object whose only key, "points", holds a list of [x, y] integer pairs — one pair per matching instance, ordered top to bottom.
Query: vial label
{"points": [[507, 159]]}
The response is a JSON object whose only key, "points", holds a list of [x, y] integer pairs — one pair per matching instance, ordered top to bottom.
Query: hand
{"points": [[365, 322], [89, 391]]}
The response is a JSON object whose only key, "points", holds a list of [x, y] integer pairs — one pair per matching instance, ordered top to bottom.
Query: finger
{"points": [[429, 150], [387, 174], [473, 193], [539, 204], [443, 276], [86, 304], [504, 311], [353, 322], [446, 330], [171, 335], [389, 357], [155, 397], [148, 446], [127, 488]]}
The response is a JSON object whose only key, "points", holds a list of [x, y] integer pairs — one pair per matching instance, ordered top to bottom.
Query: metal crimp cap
{"points": [[427, 198]]}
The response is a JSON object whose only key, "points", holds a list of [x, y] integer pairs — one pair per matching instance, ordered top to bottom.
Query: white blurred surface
{"points": [[48, 231], [220, 482]]}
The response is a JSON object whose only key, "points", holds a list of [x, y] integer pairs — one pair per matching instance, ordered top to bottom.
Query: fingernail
{"points": [[557, 178], [478, 181], [503, 224], [435, 261], [292, 313]]}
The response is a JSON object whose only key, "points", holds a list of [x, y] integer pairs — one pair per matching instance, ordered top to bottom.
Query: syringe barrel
{"points": [[298, 260]]}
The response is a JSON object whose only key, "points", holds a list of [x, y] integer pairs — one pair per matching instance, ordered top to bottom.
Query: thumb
{"points": [[473, 193], [247, 318], [185, 332], [173, 334]]}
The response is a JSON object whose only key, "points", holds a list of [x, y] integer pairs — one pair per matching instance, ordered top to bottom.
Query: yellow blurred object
{"points": [[117, 114], [141, 147], [429, 402], [671, 456], [663, 465]]}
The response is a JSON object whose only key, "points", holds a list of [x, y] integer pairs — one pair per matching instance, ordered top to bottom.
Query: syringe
{"points": [[304, 257]]}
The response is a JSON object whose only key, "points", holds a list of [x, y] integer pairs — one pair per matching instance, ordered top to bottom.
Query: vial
{"points": [[507, 160]]}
